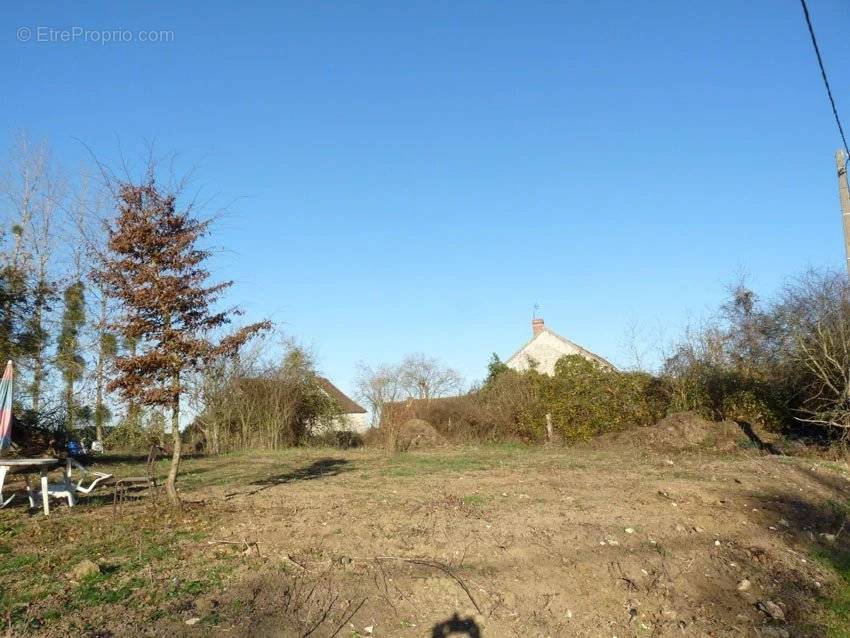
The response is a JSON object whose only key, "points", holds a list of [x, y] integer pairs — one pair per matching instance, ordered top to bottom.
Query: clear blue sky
{"points": [[414, 176]]}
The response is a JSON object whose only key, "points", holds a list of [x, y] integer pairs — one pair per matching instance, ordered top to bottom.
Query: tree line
{"points": [[105, 297], [781, 362]]}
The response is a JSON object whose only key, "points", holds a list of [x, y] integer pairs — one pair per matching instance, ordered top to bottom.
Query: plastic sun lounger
{"points": [[66, 489]]}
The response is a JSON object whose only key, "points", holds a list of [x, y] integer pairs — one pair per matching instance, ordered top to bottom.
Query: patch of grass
{"points": [[511, 446], [413, 464], [475, 500], [16, 563], [188, 588], [96, 590], [836, 611]]}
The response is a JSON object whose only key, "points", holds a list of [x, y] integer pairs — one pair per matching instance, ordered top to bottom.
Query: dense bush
{"points": [[783, 364], [582, 399], [585, 399], [251, 404]]}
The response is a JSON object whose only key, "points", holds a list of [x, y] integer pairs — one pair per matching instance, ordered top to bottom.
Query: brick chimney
{"points": [[536, 326]]}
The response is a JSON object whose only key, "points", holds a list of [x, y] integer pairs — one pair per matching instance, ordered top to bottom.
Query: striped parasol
{"points": [[6, 408]]}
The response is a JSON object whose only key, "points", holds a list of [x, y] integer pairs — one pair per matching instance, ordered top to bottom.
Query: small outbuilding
{"points": [[353, 417]]}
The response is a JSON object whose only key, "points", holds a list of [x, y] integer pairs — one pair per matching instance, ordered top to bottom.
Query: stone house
{"points": [[546, 347]]}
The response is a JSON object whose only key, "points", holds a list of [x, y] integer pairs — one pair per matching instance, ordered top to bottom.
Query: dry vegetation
{"points": [[617, 538]]}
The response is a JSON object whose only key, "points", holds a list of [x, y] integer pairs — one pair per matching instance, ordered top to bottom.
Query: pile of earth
{"points": [[684, 431], [418, 434]]}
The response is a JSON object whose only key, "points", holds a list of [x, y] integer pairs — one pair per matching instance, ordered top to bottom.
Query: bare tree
{"points": [[34, 191], [816, 311], [423, 377], [377, 387]]}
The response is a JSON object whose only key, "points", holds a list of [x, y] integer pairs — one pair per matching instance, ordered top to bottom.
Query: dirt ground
{"points": [[597, 540]]}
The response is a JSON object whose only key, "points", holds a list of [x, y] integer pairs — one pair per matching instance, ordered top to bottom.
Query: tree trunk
{"points": [[37, 377], [99, 380], [69, 406], [171, 482]]}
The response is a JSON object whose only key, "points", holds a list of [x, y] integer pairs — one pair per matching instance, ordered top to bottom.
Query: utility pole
{"points": [[844, 197]]}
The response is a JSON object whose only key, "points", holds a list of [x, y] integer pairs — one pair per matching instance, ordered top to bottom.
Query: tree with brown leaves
{"points": [[154, 269]]}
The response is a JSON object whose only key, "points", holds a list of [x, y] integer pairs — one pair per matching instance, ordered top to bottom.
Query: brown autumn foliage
{"points": [[154, 268]]}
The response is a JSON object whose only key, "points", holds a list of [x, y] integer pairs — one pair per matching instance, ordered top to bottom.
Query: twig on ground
{"points": [[248, 545], [291, 560], [441, 566], [348, 618]]}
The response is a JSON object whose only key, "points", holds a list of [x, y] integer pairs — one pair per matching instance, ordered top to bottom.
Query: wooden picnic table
{"points": [[42, 465]]}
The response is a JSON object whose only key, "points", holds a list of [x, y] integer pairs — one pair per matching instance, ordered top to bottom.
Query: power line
{"points": [[823, 75]]}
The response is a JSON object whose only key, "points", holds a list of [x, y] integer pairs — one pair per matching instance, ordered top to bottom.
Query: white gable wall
{"points": [[545, 349], [353, 422]]}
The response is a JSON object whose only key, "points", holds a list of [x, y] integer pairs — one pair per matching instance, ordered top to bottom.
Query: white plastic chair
{"points": [[56, 490]]}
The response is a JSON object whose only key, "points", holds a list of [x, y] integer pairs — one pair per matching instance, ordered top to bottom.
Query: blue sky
{"points": [[415, 176]]}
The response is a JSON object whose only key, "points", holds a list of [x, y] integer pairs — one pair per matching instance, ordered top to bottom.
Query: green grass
{"points": [[485, 457], [476, 500], [37, 555], [836, 606], [836, 611]]}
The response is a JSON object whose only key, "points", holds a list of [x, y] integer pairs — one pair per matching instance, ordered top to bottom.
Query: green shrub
{"points": [[582, 398], [586, 399]]}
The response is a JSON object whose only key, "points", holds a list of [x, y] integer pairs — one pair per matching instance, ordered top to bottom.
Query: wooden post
{"points": [[844, 198], [549, 432]]}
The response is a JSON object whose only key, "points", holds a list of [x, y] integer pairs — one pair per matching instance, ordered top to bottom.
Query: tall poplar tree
{"points": [[154, 268], [68, 358]]}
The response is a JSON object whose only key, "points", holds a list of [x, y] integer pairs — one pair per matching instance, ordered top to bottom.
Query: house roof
{"points": [[583, 351], [346, 403]]}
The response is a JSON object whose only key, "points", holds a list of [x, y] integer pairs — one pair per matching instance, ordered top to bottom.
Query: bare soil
{"points": [[599, 540]]}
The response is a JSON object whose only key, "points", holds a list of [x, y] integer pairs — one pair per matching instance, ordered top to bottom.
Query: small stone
{"points": [[668, 462], [784, 523], [680, 528], [630, 530], [829, 538], [717, 543], [345, 560], [83, 569], [744, 585], [771, 609], [193, 621], [369, 629]]}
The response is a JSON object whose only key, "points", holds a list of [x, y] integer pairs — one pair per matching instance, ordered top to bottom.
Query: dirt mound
{"points": [[687, 431], [418, 434]]}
